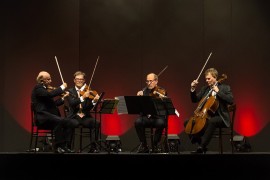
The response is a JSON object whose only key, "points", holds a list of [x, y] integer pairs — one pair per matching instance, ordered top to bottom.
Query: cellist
{"points": [[220, 117]]}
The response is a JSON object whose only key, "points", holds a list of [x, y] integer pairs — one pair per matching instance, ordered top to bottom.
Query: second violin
{"points": [[92, 93]]}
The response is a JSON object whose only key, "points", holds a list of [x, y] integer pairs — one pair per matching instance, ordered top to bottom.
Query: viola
{"points": [[92, 94], [205, 109]]}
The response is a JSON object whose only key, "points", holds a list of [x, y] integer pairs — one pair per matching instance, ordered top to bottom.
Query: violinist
{"points": [[81, 104], [46, 113], [220, 117], [145, 121]]}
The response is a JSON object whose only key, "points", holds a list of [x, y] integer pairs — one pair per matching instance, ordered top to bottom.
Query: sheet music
{"points": [[121, 107]]}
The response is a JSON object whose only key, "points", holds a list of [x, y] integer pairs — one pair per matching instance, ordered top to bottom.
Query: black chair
{"points": [[80, 132], [220, 132], [44, 135]]}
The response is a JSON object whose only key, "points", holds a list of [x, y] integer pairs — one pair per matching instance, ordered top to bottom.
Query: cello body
{"points": [[207, 107]]}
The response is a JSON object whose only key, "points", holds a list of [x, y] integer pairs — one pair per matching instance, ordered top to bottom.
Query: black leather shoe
{"points": [[143, 149], [59, 150], [200, 150]]}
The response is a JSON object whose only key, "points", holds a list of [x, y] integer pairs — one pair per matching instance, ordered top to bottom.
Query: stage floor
{"points": [[129, 165]]}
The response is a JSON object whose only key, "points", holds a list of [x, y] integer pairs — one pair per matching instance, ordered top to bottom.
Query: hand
{"points": [[194, 84], [65, 85], [215, 88], [140, 93], [65, 94], [96, 98]]}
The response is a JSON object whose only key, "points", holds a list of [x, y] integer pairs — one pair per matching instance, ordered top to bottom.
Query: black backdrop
{"points": [[133, 38]]}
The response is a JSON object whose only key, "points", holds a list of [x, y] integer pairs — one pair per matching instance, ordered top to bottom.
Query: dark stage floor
{"points": [[126, 165]]}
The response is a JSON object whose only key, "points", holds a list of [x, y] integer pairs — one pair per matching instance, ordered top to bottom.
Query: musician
{"points": [[81, 104], [46, 113], [221, 117], [147, 121]]}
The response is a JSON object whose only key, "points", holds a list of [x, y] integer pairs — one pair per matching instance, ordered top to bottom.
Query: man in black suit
{"points": [[218, 96], [81, 104], [46, 112], [156, 121]]}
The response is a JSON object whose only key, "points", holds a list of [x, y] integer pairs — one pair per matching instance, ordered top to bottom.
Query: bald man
{"points": [[46, 112]]}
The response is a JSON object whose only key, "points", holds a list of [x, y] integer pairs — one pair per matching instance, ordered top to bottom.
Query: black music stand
{"points": [[141, 105], [144, 105], [107, 106], [166, 108], [94, 109]]}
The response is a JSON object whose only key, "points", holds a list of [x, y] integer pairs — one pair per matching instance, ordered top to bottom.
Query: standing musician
{"points": [[81, 104], [47, 114], [220, 118], [158, 122]]}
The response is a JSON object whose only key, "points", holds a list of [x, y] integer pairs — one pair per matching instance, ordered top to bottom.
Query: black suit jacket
{"points": [[224, 98], [74, 104], [44, 105]]}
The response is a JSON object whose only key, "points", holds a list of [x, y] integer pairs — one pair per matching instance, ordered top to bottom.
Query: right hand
{"points": [[194, 84], [65, 85], [140, 93]]}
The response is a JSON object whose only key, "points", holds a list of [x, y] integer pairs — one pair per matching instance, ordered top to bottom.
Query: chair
{"points": [[227, 131], [82, 132], [37, 133]]}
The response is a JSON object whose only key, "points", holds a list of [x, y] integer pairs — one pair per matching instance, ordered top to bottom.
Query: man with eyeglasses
{"points": [[81, 104], [47, 114], [148, 121]]}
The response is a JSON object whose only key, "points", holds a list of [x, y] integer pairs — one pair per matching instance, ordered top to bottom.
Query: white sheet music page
{"points": [[121, 107]]}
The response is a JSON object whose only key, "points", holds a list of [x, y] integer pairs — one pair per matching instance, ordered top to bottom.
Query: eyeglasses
{"points": [[77, 79], [149, 81]]}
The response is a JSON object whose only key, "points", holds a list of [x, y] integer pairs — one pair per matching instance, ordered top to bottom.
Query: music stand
{"points": [[141, 105], [144, 105], [107, 106], [166, 108], [94, 109]]}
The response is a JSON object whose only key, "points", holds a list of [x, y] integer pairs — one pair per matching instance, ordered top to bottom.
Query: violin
{"points": [[50, 88], [158, 92], [66, 93], [92, 94], [205, 109]]}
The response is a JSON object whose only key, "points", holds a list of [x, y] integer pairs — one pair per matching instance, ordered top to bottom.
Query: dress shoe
{"points": [[143, 149], [156, 149], [59, 150], [67, 150], [94, 150], [200, 150]]}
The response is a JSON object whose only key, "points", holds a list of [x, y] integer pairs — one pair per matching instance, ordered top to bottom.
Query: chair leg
{"points": [[152, 138], [36, 140], [31, 141], [220, 141]]}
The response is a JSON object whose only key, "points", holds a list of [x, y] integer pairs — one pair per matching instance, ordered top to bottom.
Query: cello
{"points": [[205, 109]]}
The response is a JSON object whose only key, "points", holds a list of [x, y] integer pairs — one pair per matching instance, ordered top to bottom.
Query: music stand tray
{"points": [[144, 105], [108, 106]]}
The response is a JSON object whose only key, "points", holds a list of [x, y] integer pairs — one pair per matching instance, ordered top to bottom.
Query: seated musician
{"points": [[81, 104], [47, 114], [220, 118], [146, 121]]}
